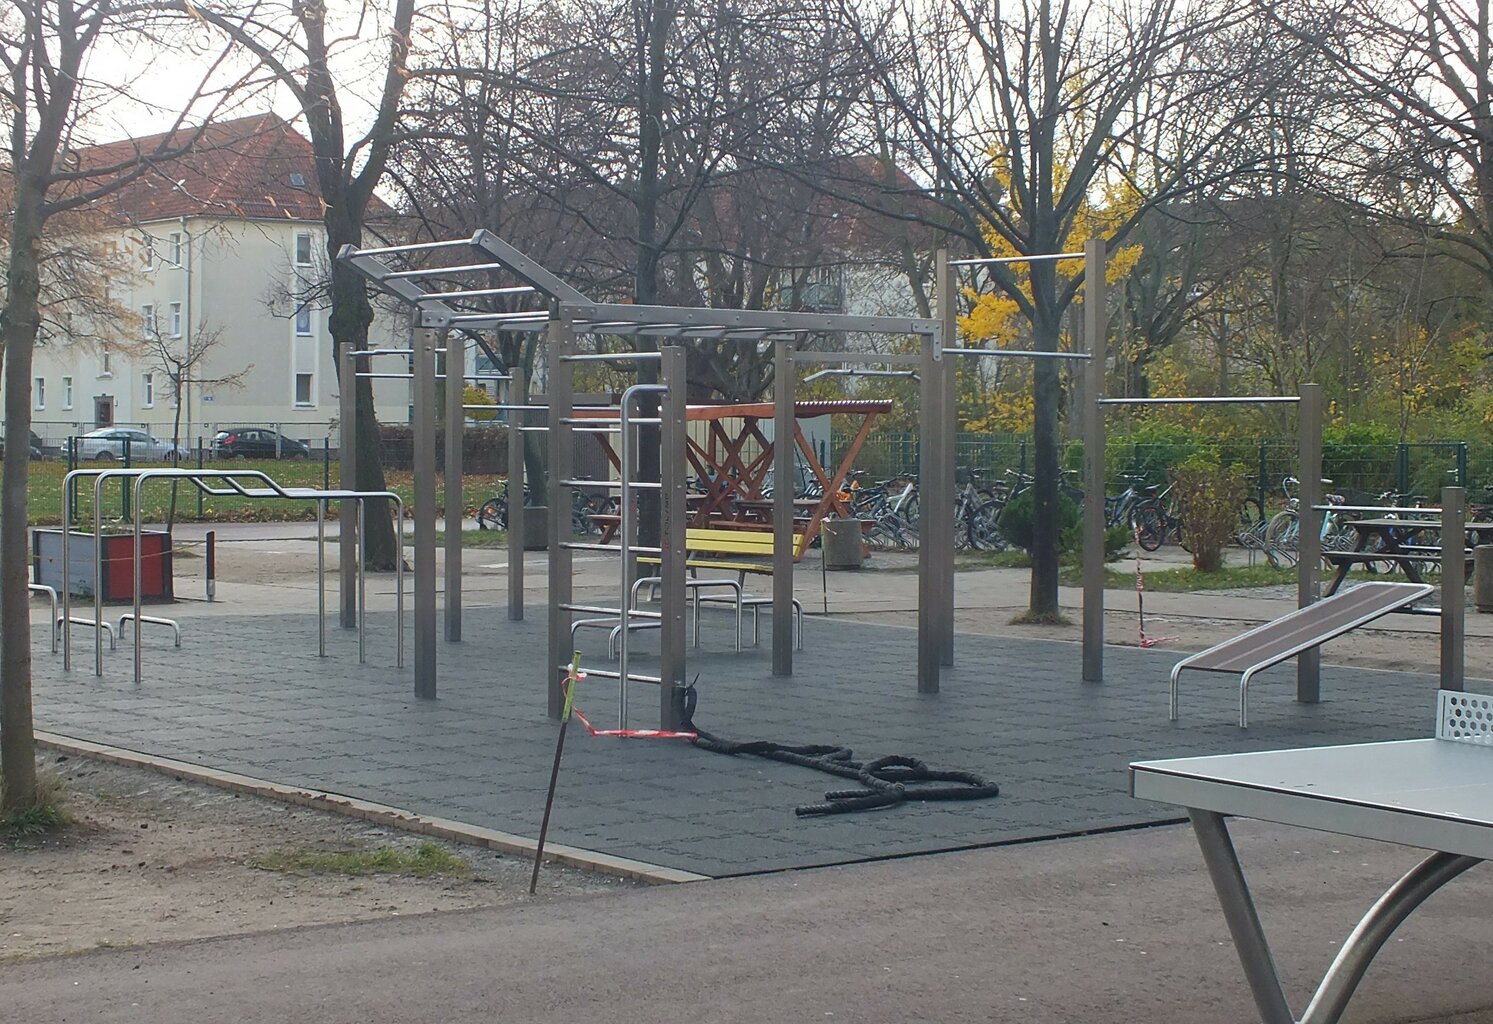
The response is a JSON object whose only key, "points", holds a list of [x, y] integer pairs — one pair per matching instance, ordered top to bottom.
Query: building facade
{"points": [[221, 309]]}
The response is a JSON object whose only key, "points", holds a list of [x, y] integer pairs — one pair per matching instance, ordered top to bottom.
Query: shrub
{"points": [[1207, 499], [1016, 521]]}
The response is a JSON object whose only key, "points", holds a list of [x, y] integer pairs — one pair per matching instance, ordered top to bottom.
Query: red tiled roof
{"points": [[240, 168]]}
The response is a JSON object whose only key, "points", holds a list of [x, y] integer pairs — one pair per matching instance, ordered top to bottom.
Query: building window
{"points": [[297, 179], [176, 248], [303, 248], [176, 319], [148, 321], [303, 321], [106, 365], [148, 380], [303, 389], [40, 392], [67, 392]]}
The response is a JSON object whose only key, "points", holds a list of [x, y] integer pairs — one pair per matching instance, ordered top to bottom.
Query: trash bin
{"points": [[536, 528], [841, 544], [1482, 577]]}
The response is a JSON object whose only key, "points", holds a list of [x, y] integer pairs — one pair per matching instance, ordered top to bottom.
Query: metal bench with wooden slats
{"points": [[1301, 630]]}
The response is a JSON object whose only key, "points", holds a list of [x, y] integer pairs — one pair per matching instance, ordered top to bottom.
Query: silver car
{"points": [[107, 444]]}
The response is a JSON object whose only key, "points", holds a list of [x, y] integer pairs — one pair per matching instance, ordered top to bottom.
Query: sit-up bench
{"points": [[1289, 635]]}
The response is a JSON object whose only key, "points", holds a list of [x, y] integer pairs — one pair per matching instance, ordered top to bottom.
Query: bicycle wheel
{"points": [[493, 514], [1149, 526], [984, 527], [1280, 539]]}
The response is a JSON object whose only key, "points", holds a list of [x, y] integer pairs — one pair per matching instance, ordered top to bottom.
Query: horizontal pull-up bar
{"points": [[390, 250], [1041, 257], [467, 268], [478, 293], [1014, 352], [360, 353], [606, 357], [888, 358], [850, 371], [386, 376], [1240, 400]]}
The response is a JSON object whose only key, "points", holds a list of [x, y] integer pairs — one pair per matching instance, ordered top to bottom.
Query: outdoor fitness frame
{"points": [[567, 314]]}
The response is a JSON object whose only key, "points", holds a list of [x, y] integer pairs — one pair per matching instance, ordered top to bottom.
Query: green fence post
{"points": [[1462, 464], [1402, 468], [1260, 479]]}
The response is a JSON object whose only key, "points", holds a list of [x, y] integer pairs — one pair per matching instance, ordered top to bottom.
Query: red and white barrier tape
{"points": [[1140, 600], [628, 734]]}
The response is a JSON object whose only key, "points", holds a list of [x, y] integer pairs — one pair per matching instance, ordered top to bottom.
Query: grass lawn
{"points": [[46, 494], [1185, 578]]}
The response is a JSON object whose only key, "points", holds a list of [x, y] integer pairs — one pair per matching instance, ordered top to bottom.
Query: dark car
{"points": [[256, 443], [36, 447]]}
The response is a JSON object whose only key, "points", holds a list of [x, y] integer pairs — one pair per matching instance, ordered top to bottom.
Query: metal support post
{"points": [[1095, 328], [560, 341], [945, 455], [673, 460], [516, 495], [425, 498], [455, 507], [782, 508], [936, 510], [348, 540], [1309, 544], [321, 580], [1453, 586]]}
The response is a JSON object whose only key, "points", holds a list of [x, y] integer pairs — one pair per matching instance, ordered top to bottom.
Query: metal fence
{"points": [[1361, 472]]}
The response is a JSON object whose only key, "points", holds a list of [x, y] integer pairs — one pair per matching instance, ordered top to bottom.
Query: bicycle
{"points": [[1283, 533]]}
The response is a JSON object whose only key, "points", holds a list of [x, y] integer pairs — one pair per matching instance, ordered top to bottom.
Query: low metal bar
{"points": [[1038, 258], [367, 353], [613, 357], [369, 375], [1240, 400], [510, 407], [634, 420], [533, 430], [644, 485], [51, 592], [153, 619], [98, 626], [634, 677]]}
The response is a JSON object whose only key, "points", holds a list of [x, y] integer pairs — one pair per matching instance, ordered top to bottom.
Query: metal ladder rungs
{"points": [[636, 549], [591, 609], [606, 673]]}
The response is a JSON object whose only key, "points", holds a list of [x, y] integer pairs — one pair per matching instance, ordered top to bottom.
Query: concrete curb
{"points": [[383, 814]]}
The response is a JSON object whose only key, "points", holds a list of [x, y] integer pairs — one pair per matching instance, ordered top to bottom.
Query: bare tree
{"points": [[298, 42], [44, 50], [1021, 114], [183, 364]]}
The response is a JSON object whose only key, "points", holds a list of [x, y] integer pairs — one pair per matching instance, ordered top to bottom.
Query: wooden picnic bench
{"points": [[1301, 630]]}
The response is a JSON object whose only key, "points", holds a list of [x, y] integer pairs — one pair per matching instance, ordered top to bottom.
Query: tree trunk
{"points": [[351, 315], [19, 323], [1046, 397]]}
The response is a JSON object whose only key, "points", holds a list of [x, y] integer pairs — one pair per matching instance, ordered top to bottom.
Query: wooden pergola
{"points": [[736, 478]]}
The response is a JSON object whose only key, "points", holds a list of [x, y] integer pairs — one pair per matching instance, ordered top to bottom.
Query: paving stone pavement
{"points": [[248, 694]]}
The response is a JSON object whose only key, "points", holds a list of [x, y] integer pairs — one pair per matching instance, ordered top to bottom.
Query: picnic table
{"points": [[733, 457], [1399, 544], [1435, 794]]}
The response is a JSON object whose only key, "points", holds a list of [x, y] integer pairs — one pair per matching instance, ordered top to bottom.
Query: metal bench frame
{"points": [[1225, 657]]}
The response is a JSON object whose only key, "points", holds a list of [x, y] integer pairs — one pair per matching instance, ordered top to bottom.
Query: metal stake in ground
{"points": [[571, 678]]}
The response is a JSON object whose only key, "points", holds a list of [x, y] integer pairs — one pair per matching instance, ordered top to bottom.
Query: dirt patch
{"points": [[149, 858]]}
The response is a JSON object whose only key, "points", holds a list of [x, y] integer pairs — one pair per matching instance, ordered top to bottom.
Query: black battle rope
{"points": [[884, 782]]}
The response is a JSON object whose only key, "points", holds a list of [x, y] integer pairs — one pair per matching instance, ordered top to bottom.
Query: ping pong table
{"points": [[1434, 794]]}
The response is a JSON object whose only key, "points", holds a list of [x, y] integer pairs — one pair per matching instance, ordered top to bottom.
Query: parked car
{"points": [[107, 443], [256, 443], [36, 447]]}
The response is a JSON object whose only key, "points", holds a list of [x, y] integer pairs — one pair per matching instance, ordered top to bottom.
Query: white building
{"points": [[223, 245]]}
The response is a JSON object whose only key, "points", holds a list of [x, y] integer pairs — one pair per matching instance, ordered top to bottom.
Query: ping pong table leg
{"points": [[1239, 912], [1358, 950]]}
